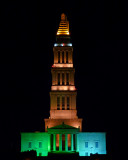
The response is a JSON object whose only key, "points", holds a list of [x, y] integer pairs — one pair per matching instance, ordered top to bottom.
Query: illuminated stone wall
{"points": [[64, 49], [61, 70], [63, 91], [72, 104], [35, 141], [87, 142], [91, 142]]}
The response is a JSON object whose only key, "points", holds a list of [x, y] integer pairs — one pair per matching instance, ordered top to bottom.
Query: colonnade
{"points": [[73, 142]]}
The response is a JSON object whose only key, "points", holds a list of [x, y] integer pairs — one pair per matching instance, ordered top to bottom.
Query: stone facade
{"points": [[63, 92], [35, 141], [85, 143], [91, 143]]}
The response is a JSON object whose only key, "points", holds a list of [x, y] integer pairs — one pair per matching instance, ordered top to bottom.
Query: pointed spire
{"points": [[63, 26]]}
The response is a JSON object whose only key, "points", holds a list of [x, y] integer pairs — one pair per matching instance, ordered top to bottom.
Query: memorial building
{"points": [[63, 129]]}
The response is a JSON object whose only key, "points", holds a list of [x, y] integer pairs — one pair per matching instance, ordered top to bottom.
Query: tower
{"points": [[63, 92], [63, 129]]}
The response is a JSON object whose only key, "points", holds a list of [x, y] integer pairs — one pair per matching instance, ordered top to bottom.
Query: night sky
{"points": [[99, 37]]}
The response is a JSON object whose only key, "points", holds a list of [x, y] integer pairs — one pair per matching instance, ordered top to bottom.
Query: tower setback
{"points": [[63, 129]]}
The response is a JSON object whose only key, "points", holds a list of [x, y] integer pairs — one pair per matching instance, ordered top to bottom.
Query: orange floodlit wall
{"points": [[63, 65], [63, 88], [71, 122]]}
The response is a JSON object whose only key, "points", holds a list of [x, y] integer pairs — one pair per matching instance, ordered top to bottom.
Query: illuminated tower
{"points": [[63, 92], [63, 127]]}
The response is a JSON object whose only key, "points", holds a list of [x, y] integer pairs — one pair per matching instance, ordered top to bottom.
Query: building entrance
{"points": [[63, 142]]}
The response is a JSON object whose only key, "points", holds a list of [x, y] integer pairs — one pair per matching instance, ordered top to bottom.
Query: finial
{"points": [[63, 17]]}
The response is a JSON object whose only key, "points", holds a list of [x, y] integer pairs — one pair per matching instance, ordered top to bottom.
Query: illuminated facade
{"points": [[63, 92], [63, 129]]}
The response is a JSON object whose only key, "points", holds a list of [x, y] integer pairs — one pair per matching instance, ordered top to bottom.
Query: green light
{"points": [[35, 139]]}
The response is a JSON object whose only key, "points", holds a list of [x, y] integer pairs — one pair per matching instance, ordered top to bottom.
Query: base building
{"points": [[63, 129]]}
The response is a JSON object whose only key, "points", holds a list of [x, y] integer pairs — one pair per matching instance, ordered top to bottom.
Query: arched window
{"points": [[58, 56], [62, 56], [66, 56], [58, 78], [62, 78], [67, 78], [58, 103], [63, 103], [68, 103]]}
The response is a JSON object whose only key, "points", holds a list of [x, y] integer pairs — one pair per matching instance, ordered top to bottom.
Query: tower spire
{"points": [[63, 26]]}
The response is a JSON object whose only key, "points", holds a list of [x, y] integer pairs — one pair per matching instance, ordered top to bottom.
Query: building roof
{"points": [[63, 126]]}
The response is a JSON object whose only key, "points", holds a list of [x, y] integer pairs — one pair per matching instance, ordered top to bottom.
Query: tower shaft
{"points": [[63, 92]]}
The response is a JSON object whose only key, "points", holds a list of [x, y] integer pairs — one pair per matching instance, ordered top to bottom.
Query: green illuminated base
{"points": [[41, 142]]}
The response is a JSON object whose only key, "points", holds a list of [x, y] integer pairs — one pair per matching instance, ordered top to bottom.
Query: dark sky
{"points": [[99, 36]]}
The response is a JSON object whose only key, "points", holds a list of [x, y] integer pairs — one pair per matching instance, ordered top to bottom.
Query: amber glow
{"points": [[64, 26], [62, 32], [62, 65], [65, 88], [57, 140], [69, 140]]}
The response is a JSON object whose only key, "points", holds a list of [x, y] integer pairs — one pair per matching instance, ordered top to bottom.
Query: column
{"points": [[64, 56], [61, 57], [60, 78], [49, 142], [54, 142], [60, 142], [66, 142], [76, 143], [72, 147]]}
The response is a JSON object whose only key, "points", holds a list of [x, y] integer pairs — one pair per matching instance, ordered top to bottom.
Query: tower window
{"points": [[58, 56], [62, 56], [67, 57], [58, 78], [62, 78], [67, 78], [58, 103], [63, 103], [68, 103], [29, 144], [40, 144], [86, 144], [96, 144], [86, 153], [40, 154]]}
